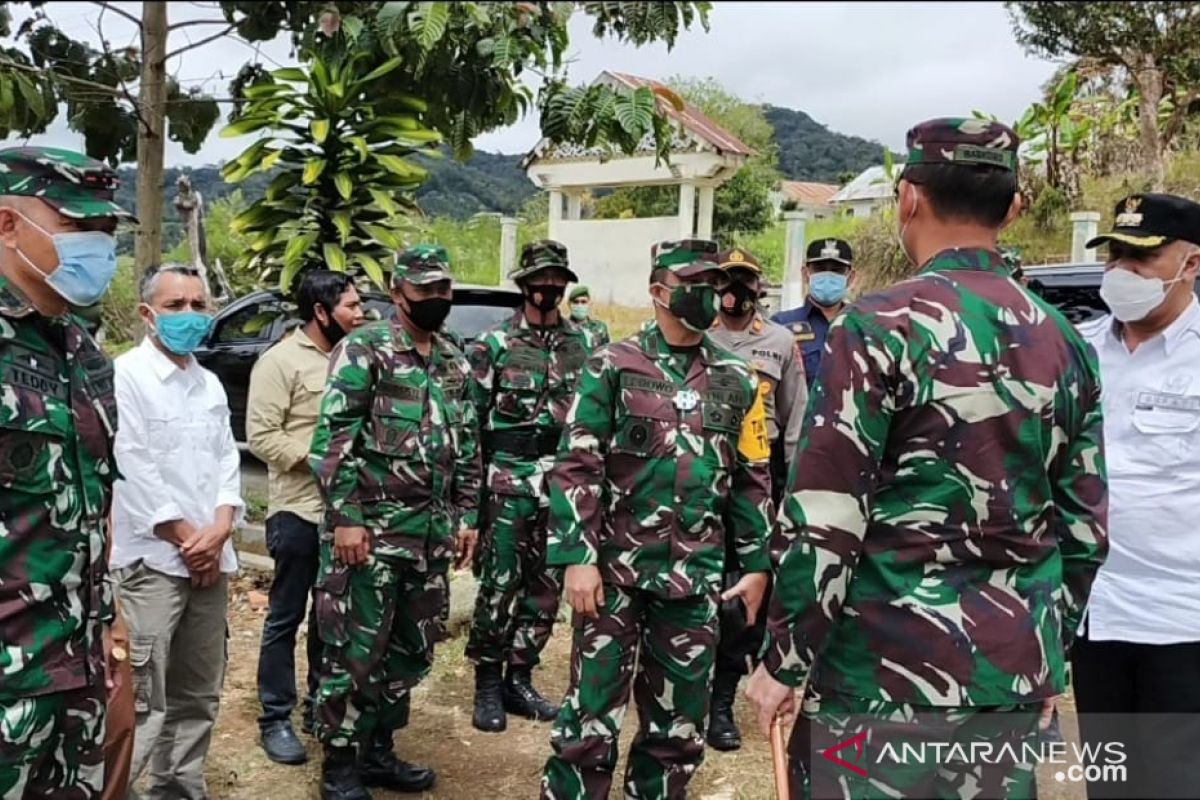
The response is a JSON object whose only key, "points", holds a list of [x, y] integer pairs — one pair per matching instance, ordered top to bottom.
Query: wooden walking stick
{"points": [[780, 758]]}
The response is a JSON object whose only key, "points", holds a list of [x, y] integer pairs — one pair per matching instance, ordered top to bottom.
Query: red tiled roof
{"points": [[691, 118], [811, 193]]}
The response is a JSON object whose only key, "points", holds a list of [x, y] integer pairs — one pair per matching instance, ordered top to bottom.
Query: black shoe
{"points": [[522, 699], [489, 705], [308, 721], [723, 733], [1053, 734], [281, 745], [380, 767], [339, 776]]}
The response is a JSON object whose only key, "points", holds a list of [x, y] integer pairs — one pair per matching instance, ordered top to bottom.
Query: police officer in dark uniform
{"points": [[828, 271]]}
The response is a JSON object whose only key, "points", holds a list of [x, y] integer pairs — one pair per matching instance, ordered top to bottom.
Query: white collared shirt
{"points": [[176, 456], [1148, 591]]}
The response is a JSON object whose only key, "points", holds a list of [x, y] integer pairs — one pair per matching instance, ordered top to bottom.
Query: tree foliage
{"points": [[1153, 43], [742, 205]]}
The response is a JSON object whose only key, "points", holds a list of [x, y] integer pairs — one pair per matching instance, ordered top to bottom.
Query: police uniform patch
{"points": [[803, 332]]}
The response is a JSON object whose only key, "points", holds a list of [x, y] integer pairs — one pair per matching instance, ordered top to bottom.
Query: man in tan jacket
{"points": [[281, 413]]}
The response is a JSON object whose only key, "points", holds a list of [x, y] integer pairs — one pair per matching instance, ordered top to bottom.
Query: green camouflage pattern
{"points": [[963, 140], [76, 185], [540, 255], [685, 257], [423, 263], [578, 292], [597, 332], [522, 382], [57, 420], [395, 444], [647, 490], [947, 506], [518, 597], [378, 624], [672, 642], [894, 735], [52, 745]]}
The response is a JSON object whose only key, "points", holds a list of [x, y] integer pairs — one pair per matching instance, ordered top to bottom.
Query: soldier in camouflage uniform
{"points": [[581, 312], [779, 364], [523, 375], [57, 420], [395, 455], [665, 457], [947, 507]]}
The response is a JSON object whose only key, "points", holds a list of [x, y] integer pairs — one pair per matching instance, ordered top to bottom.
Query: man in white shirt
{"points": [[174, 512], [1140, 656]]}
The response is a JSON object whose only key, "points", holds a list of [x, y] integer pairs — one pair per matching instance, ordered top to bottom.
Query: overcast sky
{"points": [[867, 69]]}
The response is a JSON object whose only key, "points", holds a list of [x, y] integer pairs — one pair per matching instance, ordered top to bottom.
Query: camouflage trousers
{"points": [[519, 594], [378, 623], [672, 642], [52, 745], [866, 749]]}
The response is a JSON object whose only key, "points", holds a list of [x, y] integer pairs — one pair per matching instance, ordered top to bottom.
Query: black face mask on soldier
{"points": [[544, 296], [738, 299], [428, 314], [332, 330]]}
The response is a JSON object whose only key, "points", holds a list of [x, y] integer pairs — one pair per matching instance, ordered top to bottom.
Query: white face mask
{"points": [[1132, 297]]}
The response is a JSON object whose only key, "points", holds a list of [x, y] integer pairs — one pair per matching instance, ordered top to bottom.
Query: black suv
{"points": [[1074, 289], [245, 328]]}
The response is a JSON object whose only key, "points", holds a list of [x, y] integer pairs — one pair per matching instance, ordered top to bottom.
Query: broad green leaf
{"points": [[433, 24], [353, 26], [381, 70], [291, 74], [337, 89], [260, 90], [409, 101], [246, 125], [320, 130], [361, 145], [271, 159], [398, 166], [312, 170], [344, 184], [385, 202], [341, 221], [381, 235], [263, 240], [297, 247], [335, 257], [374, 270]]}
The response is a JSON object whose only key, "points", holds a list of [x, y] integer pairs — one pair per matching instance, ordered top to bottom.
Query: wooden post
{"points": [[152, 107]]}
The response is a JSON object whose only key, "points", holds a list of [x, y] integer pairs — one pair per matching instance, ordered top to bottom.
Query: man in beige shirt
{"points": [[285, 395]]}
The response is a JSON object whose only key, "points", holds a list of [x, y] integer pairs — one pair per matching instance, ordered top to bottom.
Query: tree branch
{"points": [[109, 7], [189, 23], [193, 45], [40, 72], [137, 108], [1175, 122]]}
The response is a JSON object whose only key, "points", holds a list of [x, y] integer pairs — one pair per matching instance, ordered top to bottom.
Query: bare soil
{"points": [[470, 764]]}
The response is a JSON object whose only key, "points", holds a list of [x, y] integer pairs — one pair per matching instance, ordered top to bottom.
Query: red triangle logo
{"points": [[858, 742]]}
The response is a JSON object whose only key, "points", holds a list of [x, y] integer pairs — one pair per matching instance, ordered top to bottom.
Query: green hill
{"points": [[809, 151]]}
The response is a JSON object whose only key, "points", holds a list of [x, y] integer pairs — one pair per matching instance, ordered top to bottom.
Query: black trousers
{"points": [[294, 544], [738, 644], [1146, 697]]}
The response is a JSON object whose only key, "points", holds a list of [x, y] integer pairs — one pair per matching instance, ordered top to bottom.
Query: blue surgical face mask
{"points": [[87, 261], [828, 288], [182, 332]]}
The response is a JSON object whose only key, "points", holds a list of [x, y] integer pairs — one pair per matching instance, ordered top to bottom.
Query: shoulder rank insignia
{"points": [[802, 331]]}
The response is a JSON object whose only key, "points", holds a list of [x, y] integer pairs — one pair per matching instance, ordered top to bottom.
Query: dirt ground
{"points": [[470, 764]]}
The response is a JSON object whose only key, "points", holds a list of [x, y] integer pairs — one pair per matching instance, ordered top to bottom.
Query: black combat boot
{"points": [[522, 699], [489, 705], [723, 733], [381, 767], [339, 776]]}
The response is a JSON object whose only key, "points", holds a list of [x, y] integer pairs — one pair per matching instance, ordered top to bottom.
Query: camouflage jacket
{"points": [[597, 330], [522, 381], [57, 420], [395, 445], [657, 465], [947, 507]]}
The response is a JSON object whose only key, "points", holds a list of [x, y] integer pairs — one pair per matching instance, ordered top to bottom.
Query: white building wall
{"points": [[612, 256]]}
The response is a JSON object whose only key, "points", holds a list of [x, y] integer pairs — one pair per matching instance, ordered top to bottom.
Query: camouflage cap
{"points": [[963, 140], [73, 184], [540, 255], [685, 257], [739, 259], [422, 263], [578, 292]]}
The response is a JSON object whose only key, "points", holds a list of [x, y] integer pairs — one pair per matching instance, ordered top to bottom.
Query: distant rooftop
{"points": [[872, 184], [808, 193]]}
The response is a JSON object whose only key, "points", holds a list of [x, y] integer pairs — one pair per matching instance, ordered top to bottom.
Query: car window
{"points": [[468, 321], [250, 323]]}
